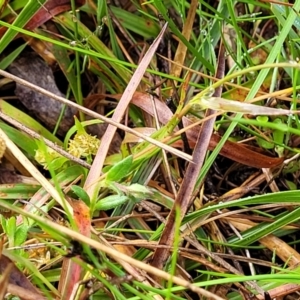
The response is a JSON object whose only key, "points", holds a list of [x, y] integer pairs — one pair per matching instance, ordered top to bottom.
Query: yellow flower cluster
{"points": [[83, 145], [40, 156]]}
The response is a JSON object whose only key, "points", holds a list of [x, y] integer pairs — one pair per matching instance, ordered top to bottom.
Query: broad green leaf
{"points": [[79, 127], [278, 135], [264, 144], [57, 163], [120, 170], [291, 185], [138, 190], [81, 193], [110, 202], [3, 222], [11, 230], [21, 234]]}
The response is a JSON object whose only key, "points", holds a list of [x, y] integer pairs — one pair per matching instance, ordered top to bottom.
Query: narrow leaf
{"points": [[120, 170], [110, 202]]}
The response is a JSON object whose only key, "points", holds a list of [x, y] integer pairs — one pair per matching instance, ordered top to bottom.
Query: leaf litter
{"points": [[199, 195]]}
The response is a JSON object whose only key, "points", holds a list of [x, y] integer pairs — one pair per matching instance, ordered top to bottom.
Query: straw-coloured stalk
{"points": [[221, 104]]}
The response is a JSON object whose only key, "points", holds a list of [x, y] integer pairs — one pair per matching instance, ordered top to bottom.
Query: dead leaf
{"points": [[50, 9], [243, 154], [96, 169], [189, 184], [284, 251], [71, 272], [4, 279], [16, 282]]}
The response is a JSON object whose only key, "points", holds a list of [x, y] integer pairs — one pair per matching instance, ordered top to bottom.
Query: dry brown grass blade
{"points": [[186, 32], [96, 115], [237, 152], [96, 169], [188, 185], [285, 252], [114, 254], [136, 273], [5, 279], [15, 282], [281, 291], [23, 294]]}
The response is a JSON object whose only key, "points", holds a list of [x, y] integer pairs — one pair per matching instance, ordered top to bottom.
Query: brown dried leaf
{"points": [[47, 12], [187, 30], [120, 110], [243, 154], [189, 183], [284, 251], [71, 272], [4, 279], [15, 281]]}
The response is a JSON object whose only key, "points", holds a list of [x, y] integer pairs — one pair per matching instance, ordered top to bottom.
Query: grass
{"points": [[158, 219]]}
